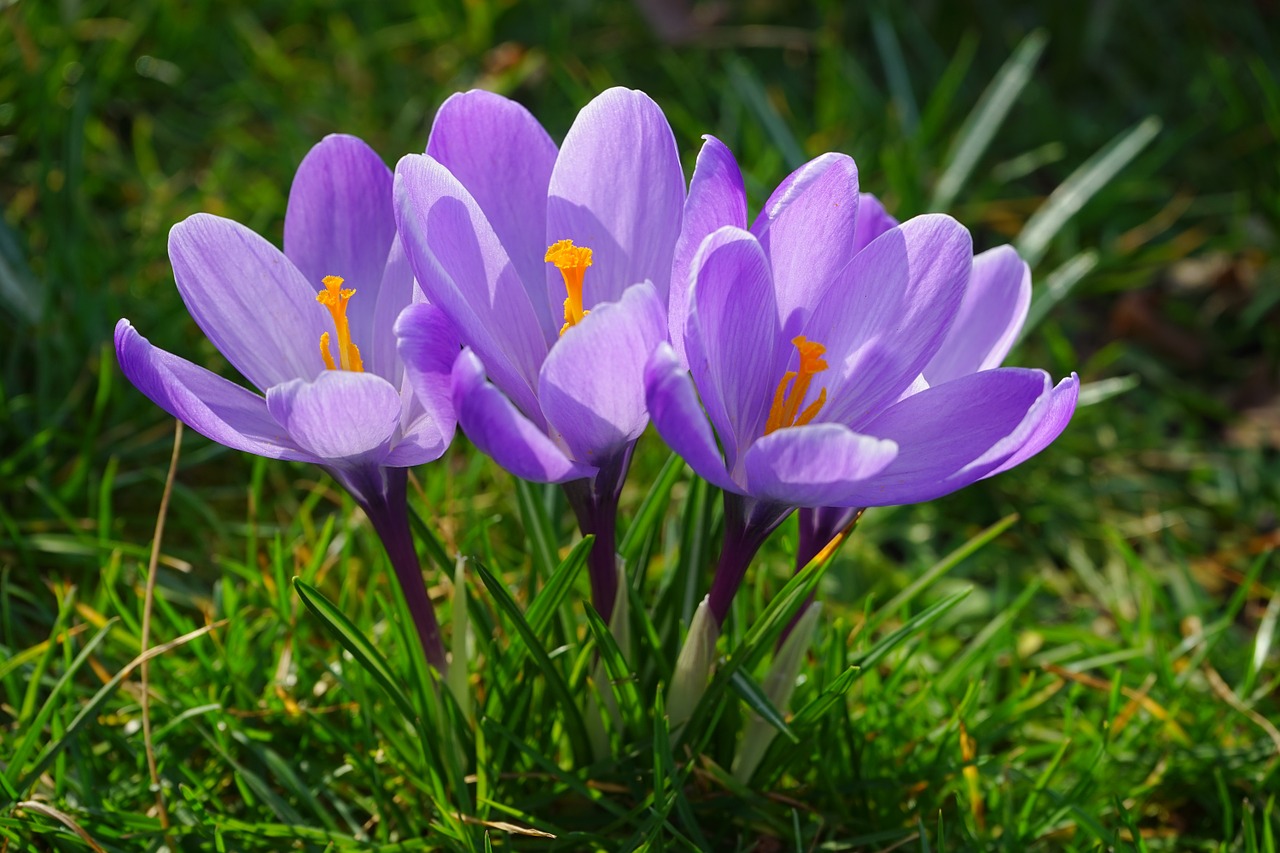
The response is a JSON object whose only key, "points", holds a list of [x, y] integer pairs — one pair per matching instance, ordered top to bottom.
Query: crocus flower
{"points": [[554, 266], [312, 329], [805, 350]]}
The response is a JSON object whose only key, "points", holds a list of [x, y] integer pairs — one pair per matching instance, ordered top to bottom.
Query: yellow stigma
{"points": [[572, 261], [335, 299], [795, 385]]}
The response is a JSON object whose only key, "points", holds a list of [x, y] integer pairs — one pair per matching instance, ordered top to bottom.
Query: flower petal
{"points": [[502, 155], [618, 189], [716, 198], [340, 221], [872, 221], [804, 228], [465, 272], [398, 291], [249, 300], [887, 313], [989, 319], [428, 345], [736, 351], [592, 383], [673, 407], [217, 409], [1053, 412], [343, 417], [502, 432], [954, 434], [813, 465]]}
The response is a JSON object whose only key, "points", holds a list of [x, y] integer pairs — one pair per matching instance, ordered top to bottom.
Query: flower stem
{"points": [[595, 503], [747, 524], [820, 529]]}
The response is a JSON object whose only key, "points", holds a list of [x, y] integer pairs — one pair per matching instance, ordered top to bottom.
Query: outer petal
{"points": [[502, 155], [618, 189], [716, 198], [340, 221], [872, 221], [805, 229], [466, 273], [396, 293], [248, 299], [887, 313], [989, 319], [428, 346], [735, 348], [592, 383], [210, 405], [673, 406], [1054, 413], [345, 418], [496, 427], [954, 434], [814, 465]]}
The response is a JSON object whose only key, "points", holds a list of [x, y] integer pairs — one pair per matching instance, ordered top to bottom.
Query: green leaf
{"points": [[621, 679], [746, 687]]}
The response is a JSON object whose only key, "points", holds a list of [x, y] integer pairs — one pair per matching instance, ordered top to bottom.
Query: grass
{"points": [[1098, 671]]}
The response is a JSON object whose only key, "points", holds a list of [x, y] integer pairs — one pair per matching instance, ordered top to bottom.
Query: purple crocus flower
{"points": [[554, 266], [312, 329], [812, 349]]}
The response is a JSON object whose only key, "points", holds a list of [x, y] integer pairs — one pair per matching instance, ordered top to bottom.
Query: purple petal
{"points": [[502, 155], [617, 189], [716, 198], [340, 221], [872, 221], [805, 229], [466, 273], [396, 293], [249, 300], [887, 313], [990, 317], [428, 345], [735, 348], [592, 383], [673, 407], [217, 409], [1052, 414], [345, 418], [500, 430], [953, 434], [814, 465]]}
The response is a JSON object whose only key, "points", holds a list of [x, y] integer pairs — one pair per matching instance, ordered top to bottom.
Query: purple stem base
{"points": [[595, 503], [747, 524]]}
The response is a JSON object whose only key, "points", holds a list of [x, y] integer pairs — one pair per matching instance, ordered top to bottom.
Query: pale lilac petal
{"points": [[502, 155], [618, 189], [716, 198], [340, 221], [872, 221], [805, 229], [465, 272], [397, 292], [249, 299], [887, 313], [989, 319], [428, 346], [735, 348], [592, 383], [673, 407], [217, 409], [1052, 414], [345, 418], [502, 432], [954, 434], [814, 465]]}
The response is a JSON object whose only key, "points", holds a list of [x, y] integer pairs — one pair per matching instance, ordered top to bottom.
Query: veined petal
{"points": [[503, 156], [618, 189], [716, 198], [340, 221], [873, 221], [804, 228], [465, 272], [396, 293], [249, 299], [887, 313], [989, 318], [428, 346], [592, 383], [673, 407], [217, 409], [1052, 413], [345, 418], [500, 430], [814, 465]]}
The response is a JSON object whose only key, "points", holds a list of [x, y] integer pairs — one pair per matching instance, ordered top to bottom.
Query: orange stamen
{"points": [[572, 261], [335, 299], [785, 411]]}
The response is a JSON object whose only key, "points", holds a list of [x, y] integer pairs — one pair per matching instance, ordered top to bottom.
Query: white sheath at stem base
{"points": [[693, 667]]}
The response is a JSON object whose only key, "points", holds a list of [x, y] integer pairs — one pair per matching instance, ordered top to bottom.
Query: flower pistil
{"points": [[572, 261], [335, 299], [795, 385]]}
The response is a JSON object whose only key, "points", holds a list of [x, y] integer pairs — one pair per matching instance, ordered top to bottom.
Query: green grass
{"points": [[1101, 674]]}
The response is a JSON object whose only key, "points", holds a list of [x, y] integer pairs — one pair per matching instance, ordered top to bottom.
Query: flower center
{"points": [[572, 261], [335, 299], [795, 385]]}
